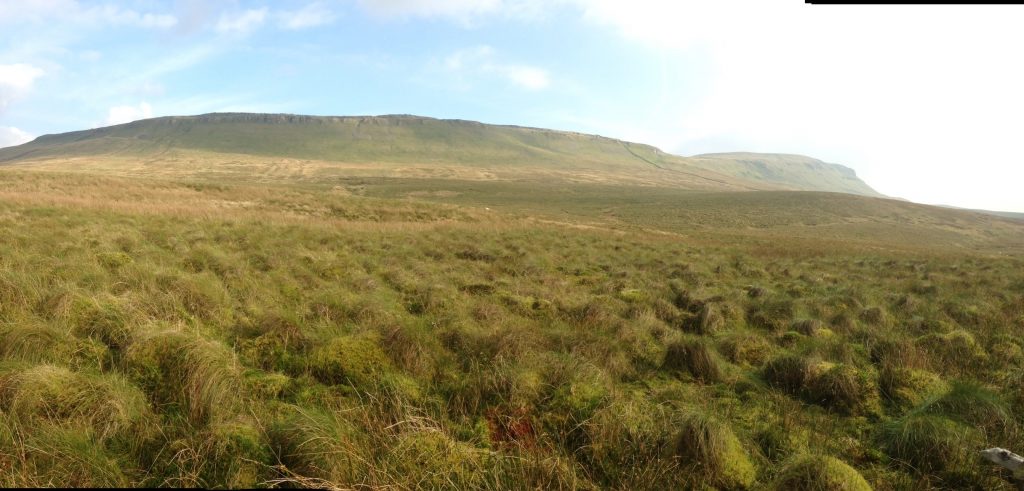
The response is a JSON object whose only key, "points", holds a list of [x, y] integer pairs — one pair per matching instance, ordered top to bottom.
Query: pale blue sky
{"points": [[923, 102]]}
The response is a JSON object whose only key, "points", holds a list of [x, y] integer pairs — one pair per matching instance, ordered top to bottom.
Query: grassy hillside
{"points": [[314, 148], [792, 171], [420, 334]]}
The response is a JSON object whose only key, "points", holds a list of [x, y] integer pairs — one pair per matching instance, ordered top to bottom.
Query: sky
{"points": [[925, 102]]}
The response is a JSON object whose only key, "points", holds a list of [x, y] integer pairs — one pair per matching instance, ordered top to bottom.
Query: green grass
{"points": [[311, 148], [795, 171], [160, 332]]}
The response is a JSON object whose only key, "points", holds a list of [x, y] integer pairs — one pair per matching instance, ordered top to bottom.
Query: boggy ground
{"points": [[162, 333]]}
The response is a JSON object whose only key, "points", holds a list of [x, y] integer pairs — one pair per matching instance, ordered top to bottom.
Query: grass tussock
{"points": [[697, 357], [198, 376], [107, 405], [930, 443], [709, 448], [819, 473]]}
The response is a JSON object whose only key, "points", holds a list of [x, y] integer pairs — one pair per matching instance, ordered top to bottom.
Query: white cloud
{"points": [[47, 11], [462, 11], [110, 14], [313, 15], [243, 22], [90, 56], [460, 59], [482, 60], [19, 76], [525, 76], [16, 80], [150, 89], [127, 114], [11, 136]]}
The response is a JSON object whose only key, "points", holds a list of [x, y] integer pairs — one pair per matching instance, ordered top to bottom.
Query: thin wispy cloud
{"points": [[464, 12], [88, 14], [313, 15], [241, 22], [483, 61]]}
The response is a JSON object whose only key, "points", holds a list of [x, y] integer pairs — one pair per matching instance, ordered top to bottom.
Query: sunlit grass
{"points": [[238, 335]]}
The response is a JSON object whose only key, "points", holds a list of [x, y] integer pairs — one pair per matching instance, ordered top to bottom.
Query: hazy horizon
{"points": [[919, 113]]}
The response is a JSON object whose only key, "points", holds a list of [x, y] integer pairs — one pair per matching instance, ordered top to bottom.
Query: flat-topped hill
{"points": [[311, 147]]}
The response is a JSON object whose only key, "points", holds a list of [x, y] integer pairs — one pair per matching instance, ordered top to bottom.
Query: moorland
{"points": [[431, 304]]}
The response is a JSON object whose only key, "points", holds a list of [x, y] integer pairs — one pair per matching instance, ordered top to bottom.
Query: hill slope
{"points": [[312, 147], [795, 171]]}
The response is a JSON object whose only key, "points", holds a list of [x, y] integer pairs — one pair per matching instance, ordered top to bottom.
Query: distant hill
{"points": [[281, 146], [795, 171], [1005, 214]]}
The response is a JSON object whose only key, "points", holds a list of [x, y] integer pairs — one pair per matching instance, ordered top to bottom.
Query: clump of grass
{"points": [[206, 258], [200, 295], [429, 299], [772, 314], [874, 316], [102, 319], [709, 320], [808, 327], [34, 341], [280, 346], [746, 348], [953, 352], [898, 353], [1008, 353], [696, 357], [353, 360], [789, 373], [199, 375], [836, 386], [907, 387], [844, 388], [580, 391], [974, 405], [107, 406], [781, 440], [626, 441], [929, 443], [319, 444], [709, 449], [233, 453], [238, 455], [61, 456], [432, 460], [819, 473]]}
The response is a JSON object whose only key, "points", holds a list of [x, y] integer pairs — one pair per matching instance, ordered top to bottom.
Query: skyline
{"points": [[925, 108]]}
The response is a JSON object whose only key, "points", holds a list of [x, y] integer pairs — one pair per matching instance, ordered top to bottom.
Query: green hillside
{"points": [[400, 146], [795, 171]]}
